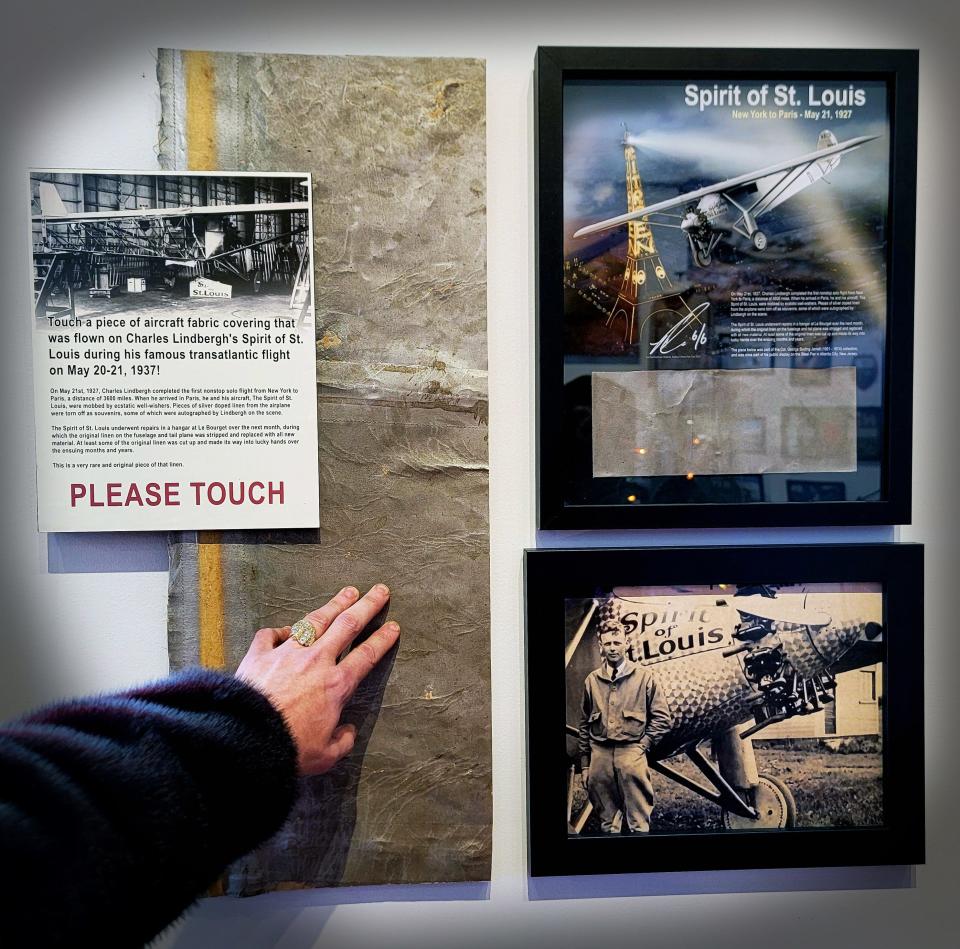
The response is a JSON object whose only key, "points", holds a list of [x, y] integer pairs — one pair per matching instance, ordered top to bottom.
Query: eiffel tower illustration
{"points": [[645, 278]]}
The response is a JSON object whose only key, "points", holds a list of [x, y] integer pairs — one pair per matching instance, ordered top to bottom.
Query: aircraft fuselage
{"points": [[710, 692]]}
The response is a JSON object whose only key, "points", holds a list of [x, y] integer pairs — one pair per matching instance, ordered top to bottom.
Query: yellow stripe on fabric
{"points": [[201, 126], [201, 145], [210, 600]]}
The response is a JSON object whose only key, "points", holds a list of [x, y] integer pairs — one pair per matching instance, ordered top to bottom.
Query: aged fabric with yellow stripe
{"points": [[396, 149]]}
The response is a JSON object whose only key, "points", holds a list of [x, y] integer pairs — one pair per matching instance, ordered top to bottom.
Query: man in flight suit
{"points": [[624, 716]]}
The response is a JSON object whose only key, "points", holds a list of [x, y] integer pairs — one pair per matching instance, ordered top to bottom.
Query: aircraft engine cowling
{"points": [[711, 207], [695, 224], [811, 649], [787, 658], [790, 668], [783, 691]]}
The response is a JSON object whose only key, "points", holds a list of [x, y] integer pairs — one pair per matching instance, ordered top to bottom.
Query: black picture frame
{"points": [[615, 502], [552, 577]]}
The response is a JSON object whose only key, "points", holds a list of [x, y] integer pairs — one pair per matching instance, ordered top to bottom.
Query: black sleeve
{"points": [[116, 812]]}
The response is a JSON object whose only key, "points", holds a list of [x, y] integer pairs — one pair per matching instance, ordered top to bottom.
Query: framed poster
{"points": [[725, 244], [722, 707]]}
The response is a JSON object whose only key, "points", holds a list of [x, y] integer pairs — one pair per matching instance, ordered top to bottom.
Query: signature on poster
{"points": [[686, 334]]}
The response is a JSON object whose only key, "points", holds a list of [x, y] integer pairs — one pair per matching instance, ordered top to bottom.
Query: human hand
{"points": [[308, 685], [585, 778]]}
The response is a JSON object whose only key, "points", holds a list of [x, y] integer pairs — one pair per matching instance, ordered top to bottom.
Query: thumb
{"points": [[342, 740]]}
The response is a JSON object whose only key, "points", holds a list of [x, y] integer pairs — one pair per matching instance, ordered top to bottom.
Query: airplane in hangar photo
{"points": [[737, 204], [96, 248], [766, 659]]}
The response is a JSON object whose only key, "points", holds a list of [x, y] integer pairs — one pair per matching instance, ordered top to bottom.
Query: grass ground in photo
{"points": [[840, 787]]}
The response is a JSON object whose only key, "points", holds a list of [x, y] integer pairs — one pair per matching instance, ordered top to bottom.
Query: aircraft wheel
{"points": [[759, 240], [703, 258], [257, 281], [776, 806]]}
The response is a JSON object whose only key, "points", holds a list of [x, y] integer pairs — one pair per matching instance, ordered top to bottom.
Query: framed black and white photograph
{"points": [[725, 274], [724, 707]]}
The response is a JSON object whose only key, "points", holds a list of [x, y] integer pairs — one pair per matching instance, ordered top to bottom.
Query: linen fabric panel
{"points": [[396, 150]]}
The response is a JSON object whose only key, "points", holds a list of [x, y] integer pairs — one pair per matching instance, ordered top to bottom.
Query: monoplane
{"points": [[737, 204], [99, 248], [729, 667]]}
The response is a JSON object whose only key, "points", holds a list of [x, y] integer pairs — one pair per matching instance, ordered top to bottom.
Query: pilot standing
{"points": [[624, 716]]}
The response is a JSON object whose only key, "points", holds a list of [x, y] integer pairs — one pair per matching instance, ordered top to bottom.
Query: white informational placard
{"points": [[174, 351]]}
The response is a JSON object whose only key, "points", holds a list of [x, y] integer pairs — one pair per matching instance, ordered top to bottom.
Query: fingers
{"points": [[323, 617], [351, 622], [267, 639], [359, 663], [342, 741]]}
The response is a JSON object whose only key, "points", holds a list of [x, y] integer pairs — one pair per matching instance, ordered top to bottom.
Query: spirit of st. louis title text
{"points": [[779, 94]]}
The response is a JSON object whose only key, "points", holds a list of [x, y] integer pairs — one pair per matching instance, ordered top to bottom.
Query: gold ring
{"points": [[304, 632]]}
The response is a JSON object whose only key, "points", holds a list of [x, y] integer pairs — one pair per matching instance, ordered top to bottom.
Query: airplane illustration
{"points": [[737, 204], [98, 246], [738, 665]]}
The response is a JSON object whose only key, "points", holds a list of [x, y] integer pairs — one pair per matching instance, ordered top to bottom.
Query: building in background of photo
{"points": [[856, 712]]}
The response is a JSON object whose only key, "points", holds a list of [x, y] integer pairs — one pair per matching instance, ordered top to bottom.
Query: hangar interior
{"points": [[111, 242]]}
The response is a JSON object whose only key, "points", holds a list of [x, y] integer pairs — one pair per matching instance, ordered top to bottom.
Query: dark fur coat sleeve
{"points": [[117, 811]]}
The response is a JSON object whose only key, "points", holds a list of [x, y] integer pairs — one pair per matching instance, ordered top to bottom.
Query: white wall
{"points": [[79, 90]]}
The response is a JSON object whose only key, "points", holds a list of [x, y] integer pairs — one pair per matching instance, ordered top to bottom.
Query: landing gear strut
{"points": [[701, 246], [774, 804]]}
